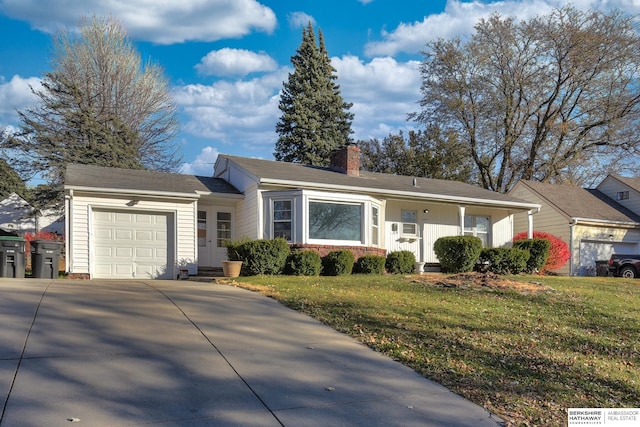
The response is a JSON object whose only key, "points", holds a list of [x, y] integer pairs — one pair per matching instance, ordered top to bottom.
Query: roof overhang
{"points": [[131, 192], [406, 195], [604, 223]]}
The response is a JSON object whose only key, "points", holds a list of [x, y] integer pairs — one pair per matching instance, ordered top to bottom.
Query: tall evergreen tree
{"points": [[315, 119], [10, 181]]}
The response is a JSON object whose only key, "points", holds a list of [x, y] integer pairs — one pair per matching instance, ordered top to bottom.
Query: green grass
{"points": [[526, 357]]}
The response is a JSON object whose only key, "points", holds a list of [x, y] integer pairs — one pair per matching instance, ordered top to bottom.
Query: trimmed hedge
{"points": [[538, 251], [457, 254], [261, 256], [504, 260], [400, 262], [303, 263], [338, 263], [370, 264]]}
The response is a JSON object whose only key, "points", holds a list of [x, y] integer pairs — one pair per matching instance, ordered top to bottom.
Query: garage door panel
{"points": [[145, 236], [130, 244], [123, 252]]}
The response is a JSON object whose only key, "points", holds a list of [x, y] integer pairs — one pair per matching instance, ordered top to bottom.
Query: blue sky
{"points": [[227, 60]]}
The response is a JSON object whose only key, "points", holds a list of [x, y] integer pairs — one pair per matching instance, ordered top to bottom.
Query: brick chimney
{"points": [[346, 160]]}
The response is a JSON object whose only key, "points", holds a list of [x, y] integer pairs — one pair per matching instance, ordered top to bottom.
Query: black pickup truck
{"points": [[624, 265]]}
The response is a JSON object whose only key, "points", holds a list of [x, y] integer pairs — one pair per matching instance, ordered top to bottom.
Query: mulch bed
{"points": [[479, 281]]}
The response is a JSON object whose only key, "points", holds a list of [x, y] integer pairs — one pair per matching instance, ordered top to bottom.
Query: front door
{"points": [[215, 227]]}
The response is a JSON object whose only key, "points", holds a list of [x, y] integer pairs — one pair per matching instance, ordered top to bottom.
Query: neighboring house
{"points": [[17, 215], [591, 221], [127, 223]]}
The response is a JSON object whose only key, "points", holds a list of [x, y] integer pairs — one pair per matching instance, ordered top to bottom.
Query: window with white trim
{"points": [[282, 219], [335, 221], [409, 223], [478, 226], [375, 227], [223, 228]]}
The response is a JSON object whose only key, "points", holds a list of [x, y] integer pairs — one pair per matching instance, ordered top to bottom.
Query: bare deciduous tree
{"points": [[555, 98]]}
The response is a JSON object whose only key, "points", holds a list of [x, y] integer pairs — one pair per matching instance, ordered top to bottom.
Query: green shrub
{"points": [[538, 252], [457, 254], [262, 256], [504, 260], [400, 262], [303, 263], [338, 263], [370, 264]]}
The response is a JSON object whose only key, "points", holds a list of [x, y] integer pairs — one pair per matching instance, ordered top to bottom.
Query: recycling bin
{"points": [[45, 255], [12, 257]]}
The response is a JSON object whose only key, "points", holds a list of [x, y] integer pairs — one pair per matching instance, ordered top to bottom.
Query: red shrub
{"points": [[40, 235], [559, 252]]}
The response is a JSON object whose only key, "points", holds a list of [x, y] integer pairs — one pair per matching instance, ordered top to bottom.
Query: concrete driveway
{"points": [[177, 353]]}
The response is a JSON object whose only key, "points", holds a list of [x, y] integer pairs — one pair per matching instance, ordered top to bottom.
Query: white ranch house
{"points": [[143, 224]]}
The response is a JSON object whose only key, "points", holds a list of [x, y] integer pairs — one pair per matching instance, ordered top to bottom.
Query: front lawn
{"points": [[527, 356]]}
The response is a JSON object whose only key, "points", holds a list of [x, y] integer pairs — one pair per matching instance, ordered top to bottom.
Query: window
{"points": [[622, 195], [282, 219], [335, 221], [409, 222], [478, 226], [223, 227], [202, 228], [375, 228]]}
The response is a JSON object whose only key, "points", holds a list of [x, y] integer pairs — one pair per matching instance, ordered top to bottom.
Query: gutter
{"points": [[131, 192], [404, 194], [591, 221]]}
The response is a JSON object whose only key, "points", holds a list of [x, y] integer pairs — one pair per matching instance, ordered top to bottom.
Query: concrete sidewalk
{"points": [[169, 353]]}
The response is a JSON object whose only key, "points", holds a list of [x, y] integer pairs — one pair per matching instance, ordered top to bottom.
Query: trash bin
{"points": [[45, 255], [12, 261], [602, 267]]}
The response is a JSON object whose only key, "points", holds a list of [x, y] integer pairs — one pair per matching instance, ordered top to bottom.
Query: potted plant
{"points": [[233, 264]]}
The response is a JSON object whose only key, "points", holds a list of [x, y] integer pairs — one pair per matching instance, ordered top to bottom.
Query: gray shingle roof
{"points": [[269, 170], [142, 180], [633, 183], [576, 202]]}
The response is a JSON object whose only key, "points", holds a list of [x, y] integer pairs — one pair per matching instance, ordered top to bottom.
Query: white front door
{"points": [[215, 227]]}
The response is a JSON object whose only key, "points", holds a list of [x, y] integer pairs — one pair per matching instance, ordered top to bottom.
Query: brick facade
{"points": [[323, 250]]}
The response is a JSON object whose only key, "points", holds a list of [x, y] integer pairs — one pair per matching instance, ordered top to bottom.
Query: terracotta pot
{"points": [[231, 268]]}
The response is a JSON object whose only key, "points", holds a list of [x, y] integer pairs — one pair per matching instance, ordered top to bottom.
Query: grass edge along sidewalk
{"points": [[526, 354]]}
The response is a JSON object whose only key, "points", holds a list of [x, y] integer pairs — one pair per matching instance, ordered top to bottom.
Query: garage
{"points": [[132, 245], [598, 250]]}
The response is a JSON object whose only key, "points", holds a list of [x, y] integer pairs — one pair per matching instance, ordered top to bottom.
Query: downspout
{"points": [[572, 224], [530, 226], [68, 241]]}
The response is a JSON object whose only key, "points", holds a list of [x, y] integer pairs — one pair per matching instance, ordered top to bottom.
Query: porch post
{"points": [[461, 213], [530, 229]]}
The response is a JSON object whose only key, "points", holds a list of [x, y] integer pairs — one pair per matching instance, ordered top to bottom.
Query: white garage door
{"points": [[131, 244], [592, 251]]}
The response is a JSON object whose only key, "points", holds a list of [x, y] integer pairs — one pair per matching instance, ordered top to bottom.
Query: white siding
{"points": [[183, 212], [248, 214], [441, 221]]}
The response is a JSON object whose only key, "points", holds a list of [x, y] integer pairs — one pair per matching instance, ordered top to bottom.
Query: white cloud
{"points": [[365, 1], [460, 17], [300, 19], [163, 22], [230, 62], [383, 91], [16, 94], [242, 112], [203, 164]]}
